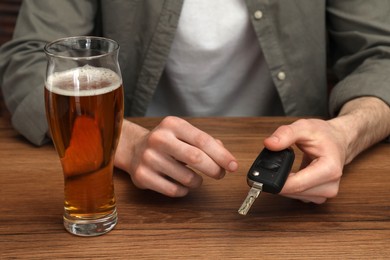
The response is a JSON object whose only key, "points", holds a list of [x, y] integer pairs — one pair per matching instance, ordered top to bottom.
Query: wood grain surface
{"points": [[205, 224]]}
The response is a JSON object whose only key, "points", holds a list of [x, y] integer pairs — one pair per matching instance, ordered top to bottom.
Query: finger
{"points": [[287, 135], [219, 142], [217, 152], [195, 158], [166, 165], [317, 173], [146, 178], [167, 187], [327, 190], [307, 199]]}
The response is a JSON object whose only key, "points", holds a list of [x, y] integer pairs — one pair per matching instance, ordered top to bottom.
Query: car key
{"points": [[268, 173]]}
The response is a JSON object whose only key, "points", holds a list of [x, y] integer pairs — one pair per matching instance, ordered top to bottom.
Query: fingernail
{"points": [[232, 166]]}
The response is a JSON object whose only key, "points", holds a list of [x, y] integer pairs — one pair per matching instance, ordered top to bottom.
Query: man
{"points": [[222, 58]]}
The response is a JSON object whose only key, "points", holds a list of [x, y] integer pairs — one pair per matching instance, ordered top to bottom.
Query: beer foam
{"points": [[83, 81]]}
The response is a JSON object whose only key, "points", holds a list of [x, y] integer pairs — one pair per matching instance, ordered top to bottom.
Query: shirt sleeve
{"points": [[359, 44], [23, 62]]}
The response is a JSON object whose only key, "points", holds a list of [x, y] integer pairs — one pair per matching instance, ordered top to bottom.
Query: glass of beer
{"points": [[84, 109]]}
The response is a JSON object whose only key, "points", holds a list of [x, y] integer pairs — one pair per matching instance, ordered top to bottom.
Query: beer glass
{"points": [[84, 110]]}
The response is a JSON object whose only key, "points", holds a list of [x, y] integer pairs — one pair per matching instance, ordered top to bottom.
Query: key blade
{"points": [[249, 200]]}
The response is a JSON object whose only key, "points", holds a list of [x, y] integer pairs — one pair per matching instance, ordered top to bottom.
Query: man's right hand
{"points": [[171, 158]]}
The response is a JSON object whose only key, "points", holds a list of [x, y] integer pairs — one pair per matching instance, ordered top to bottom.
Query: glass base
{"points": [[91, 227]]}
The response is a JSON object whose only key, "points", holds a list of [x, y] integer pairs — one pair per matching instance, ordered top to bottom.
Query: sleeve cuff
{"points": [[29, 119]]}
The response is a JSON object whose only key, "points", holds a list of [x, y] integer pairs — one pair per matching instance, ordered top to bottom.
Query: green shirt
{"points": [[303, 41]]}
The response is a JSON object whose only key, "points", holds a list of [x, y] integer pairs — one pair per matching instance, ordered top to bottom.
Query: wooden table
{"points": [[205, 224]]}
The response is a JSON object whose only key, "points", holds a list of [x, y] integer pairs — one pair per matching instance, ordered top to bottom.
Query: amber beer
{"points": [[85, 126]]}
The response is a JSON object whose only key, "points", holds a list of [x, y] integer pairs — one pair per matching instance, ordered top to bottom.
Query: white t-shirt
{"points": [[216, 66]]}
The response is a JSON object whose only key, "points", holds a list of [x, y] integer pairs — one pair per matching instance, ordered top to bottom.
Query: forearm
{"points": [[23, 62], [364, 121]]}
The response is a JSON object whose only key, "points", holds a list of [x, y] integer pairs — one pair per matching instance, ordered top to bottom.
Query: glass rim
{"points": [[64, 39]]}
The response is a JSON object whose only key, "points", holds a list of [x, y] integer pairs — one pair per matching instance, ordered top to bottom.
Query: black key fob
{"points": [[271, 169]]}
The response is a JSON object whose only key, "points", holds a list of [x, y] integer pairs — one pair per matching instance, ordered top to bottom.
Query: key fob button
{"points": [[269, 165]]}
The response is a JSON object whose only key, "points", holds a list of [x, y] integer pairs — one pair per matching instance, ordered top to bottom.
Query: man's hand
{"points": [[329, 145], [324, 156], [169, 158]]}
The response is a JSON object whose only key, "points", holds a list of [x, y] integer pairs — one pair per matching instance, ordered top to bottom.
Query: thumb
{"points": [[282, 138]]}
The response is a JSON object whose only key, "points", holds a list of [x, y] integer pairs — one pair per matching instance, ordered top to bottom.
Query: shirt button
{"points": [[258, 15], [281, 75]]}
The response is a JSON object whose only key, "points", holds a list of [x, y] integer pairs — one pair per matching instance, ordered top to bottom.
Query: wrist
{"points": [[362, 122], [347, 131], [131, 134]]}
